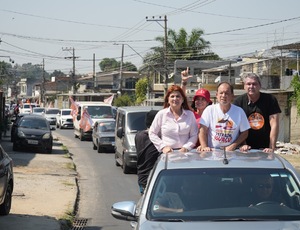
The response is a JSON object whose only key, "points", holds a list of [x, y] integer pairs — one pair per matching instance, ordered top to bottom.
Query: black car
{"points": [[14, 125], [33, 131], [6, 182]]}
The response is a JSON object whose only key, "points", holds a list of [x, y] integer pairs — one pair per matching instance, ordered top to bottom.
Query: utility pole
{"points": [[165, 48], [121, 70], [73, 73], [94, 73], [43, 85]]}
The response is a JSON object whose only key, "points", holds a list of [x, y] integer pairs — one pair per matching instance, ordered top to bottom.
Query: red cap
{"points": [[203, 93]]}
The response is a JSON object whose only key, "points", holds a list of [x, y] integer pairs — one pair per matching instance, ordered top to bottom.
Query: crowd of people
{"points": [[248, 121]]}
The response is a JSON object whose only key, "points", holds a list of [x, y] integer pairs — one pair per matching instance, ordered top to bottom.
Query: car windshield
{"points": [[38, 110], [52, 111], [100, 111], [66, 112], [136, 121], [33, 123], [107, 126], [225, 194]]}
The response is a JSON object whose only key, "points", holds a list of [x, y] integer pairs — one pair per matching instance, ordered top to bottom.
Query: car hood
{"points": [[36, 132], [106, 134], [221, 225]]}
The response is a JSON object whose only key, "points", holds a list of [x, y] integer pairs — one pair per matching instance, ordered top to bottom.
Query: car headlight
{"points": [[21, 134], [46, 136]]}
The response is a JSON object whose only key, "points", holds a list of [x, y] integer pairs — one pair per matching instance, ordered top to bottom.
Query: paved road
{"points": [[101, 183]]}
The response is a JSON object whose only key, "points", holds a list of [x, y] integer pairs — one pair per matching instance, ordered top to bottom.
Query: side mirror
{"points": [[120, 132]]}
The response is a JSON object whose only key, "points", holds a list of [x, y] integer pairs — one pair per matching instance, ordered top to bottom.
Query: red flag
{"points": [[109, 100], [74, 108], [86, 121]]}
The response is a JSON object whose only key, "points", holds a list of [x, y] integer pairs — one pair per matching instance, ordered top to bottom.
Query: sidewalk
{"points": [[44, 189]]}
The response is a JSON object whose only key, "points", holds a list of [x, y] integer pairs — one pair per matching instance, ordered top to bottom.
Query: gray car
{"points": [[104, 135], [6, 182], [217, 190]]}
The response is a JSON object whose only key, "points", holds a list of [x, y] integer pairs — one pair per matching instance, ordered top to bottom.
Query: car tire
{"points": [[81, 138], [94, 146], [15, 147], [99, 148], [116, 162], [125, 167], [5, 207]]}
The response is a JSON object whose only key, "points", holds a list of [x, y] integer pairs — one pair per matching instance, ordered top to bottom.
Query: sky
{"points": [[33, 30]]}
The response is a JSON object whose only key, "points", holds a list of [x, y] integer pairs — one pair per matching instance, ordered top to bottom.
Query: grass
{"points": [[66, 221]]}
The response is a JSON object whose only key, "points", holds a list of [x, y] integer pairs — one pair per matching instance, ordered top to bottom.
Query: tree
{"points": [[181, 46], [111, 64], [57, 73], [141, 90], [296, 94], [124, 100]]}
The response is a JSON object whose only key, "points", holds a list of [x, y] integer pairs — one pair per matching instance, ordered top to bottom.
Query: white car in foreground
{"points": [[217, 190]]}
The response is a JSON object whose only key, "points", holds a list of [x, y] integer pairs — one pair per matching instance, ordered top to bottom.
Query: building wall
{"points": [[295, 124]]}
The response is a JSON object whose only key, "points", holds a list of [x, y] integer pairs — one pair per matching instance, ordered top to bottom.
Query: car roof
{"points": [[139, 108], [34, 117], [215, 159]]}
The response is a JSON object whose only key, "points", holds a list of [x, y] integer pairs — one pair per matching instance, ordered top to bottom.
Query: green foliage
{"points": [[180, 46], [111, 64], [57, 73], [141, 90], [296, 94], [124, 100]]}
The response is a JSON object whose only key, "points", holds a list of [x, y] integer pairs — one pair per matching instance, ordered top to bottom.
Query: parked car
{"points": [[38, 110], [50, 115], [64, 119], [129, 120], [33, 131], [104, 135], [6, 182], [217, 190]]}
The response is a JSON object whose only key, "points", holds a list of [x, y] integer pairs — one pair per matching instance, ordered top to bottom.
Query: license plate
{"points": [[33, 142]]}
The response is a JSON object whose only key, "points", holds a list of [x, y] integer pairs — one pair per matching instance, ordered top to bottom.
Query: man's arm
{"points": [[274, 123], [203, 138], [240, 140]]}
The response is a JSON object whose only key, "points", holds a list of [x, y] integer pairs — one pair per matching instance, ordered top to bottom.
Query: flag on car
{"points": [[109, 100], [74, 108], [86, 121]]}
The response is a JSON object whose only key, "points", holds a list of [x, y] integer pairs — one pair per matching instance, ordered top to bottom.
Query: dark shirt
{"points": [[258, 116], [147, 155]]}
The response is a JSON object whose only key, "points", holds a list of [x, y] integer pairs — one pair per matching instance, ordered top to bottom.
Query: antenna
{"points": [[225, 160]]}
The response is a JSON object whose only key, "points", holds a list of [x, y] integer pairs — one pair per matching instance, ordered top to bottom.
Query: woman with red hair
{"points": [[175, 126]]}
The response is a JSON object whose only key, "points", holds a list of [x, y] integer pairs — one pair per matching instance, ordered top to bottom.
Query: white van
{"points": [[97, 111], [129, 120]]}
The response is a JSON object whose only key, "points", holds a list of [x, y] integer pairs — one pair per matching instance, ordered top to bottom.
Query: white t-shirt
{"points": [[223, 129]]}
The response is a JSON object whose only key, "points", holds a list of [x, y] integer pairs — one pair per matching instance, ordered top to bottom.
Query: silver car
{"points": [[104, 135], [6, 182], [217, 190]]}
